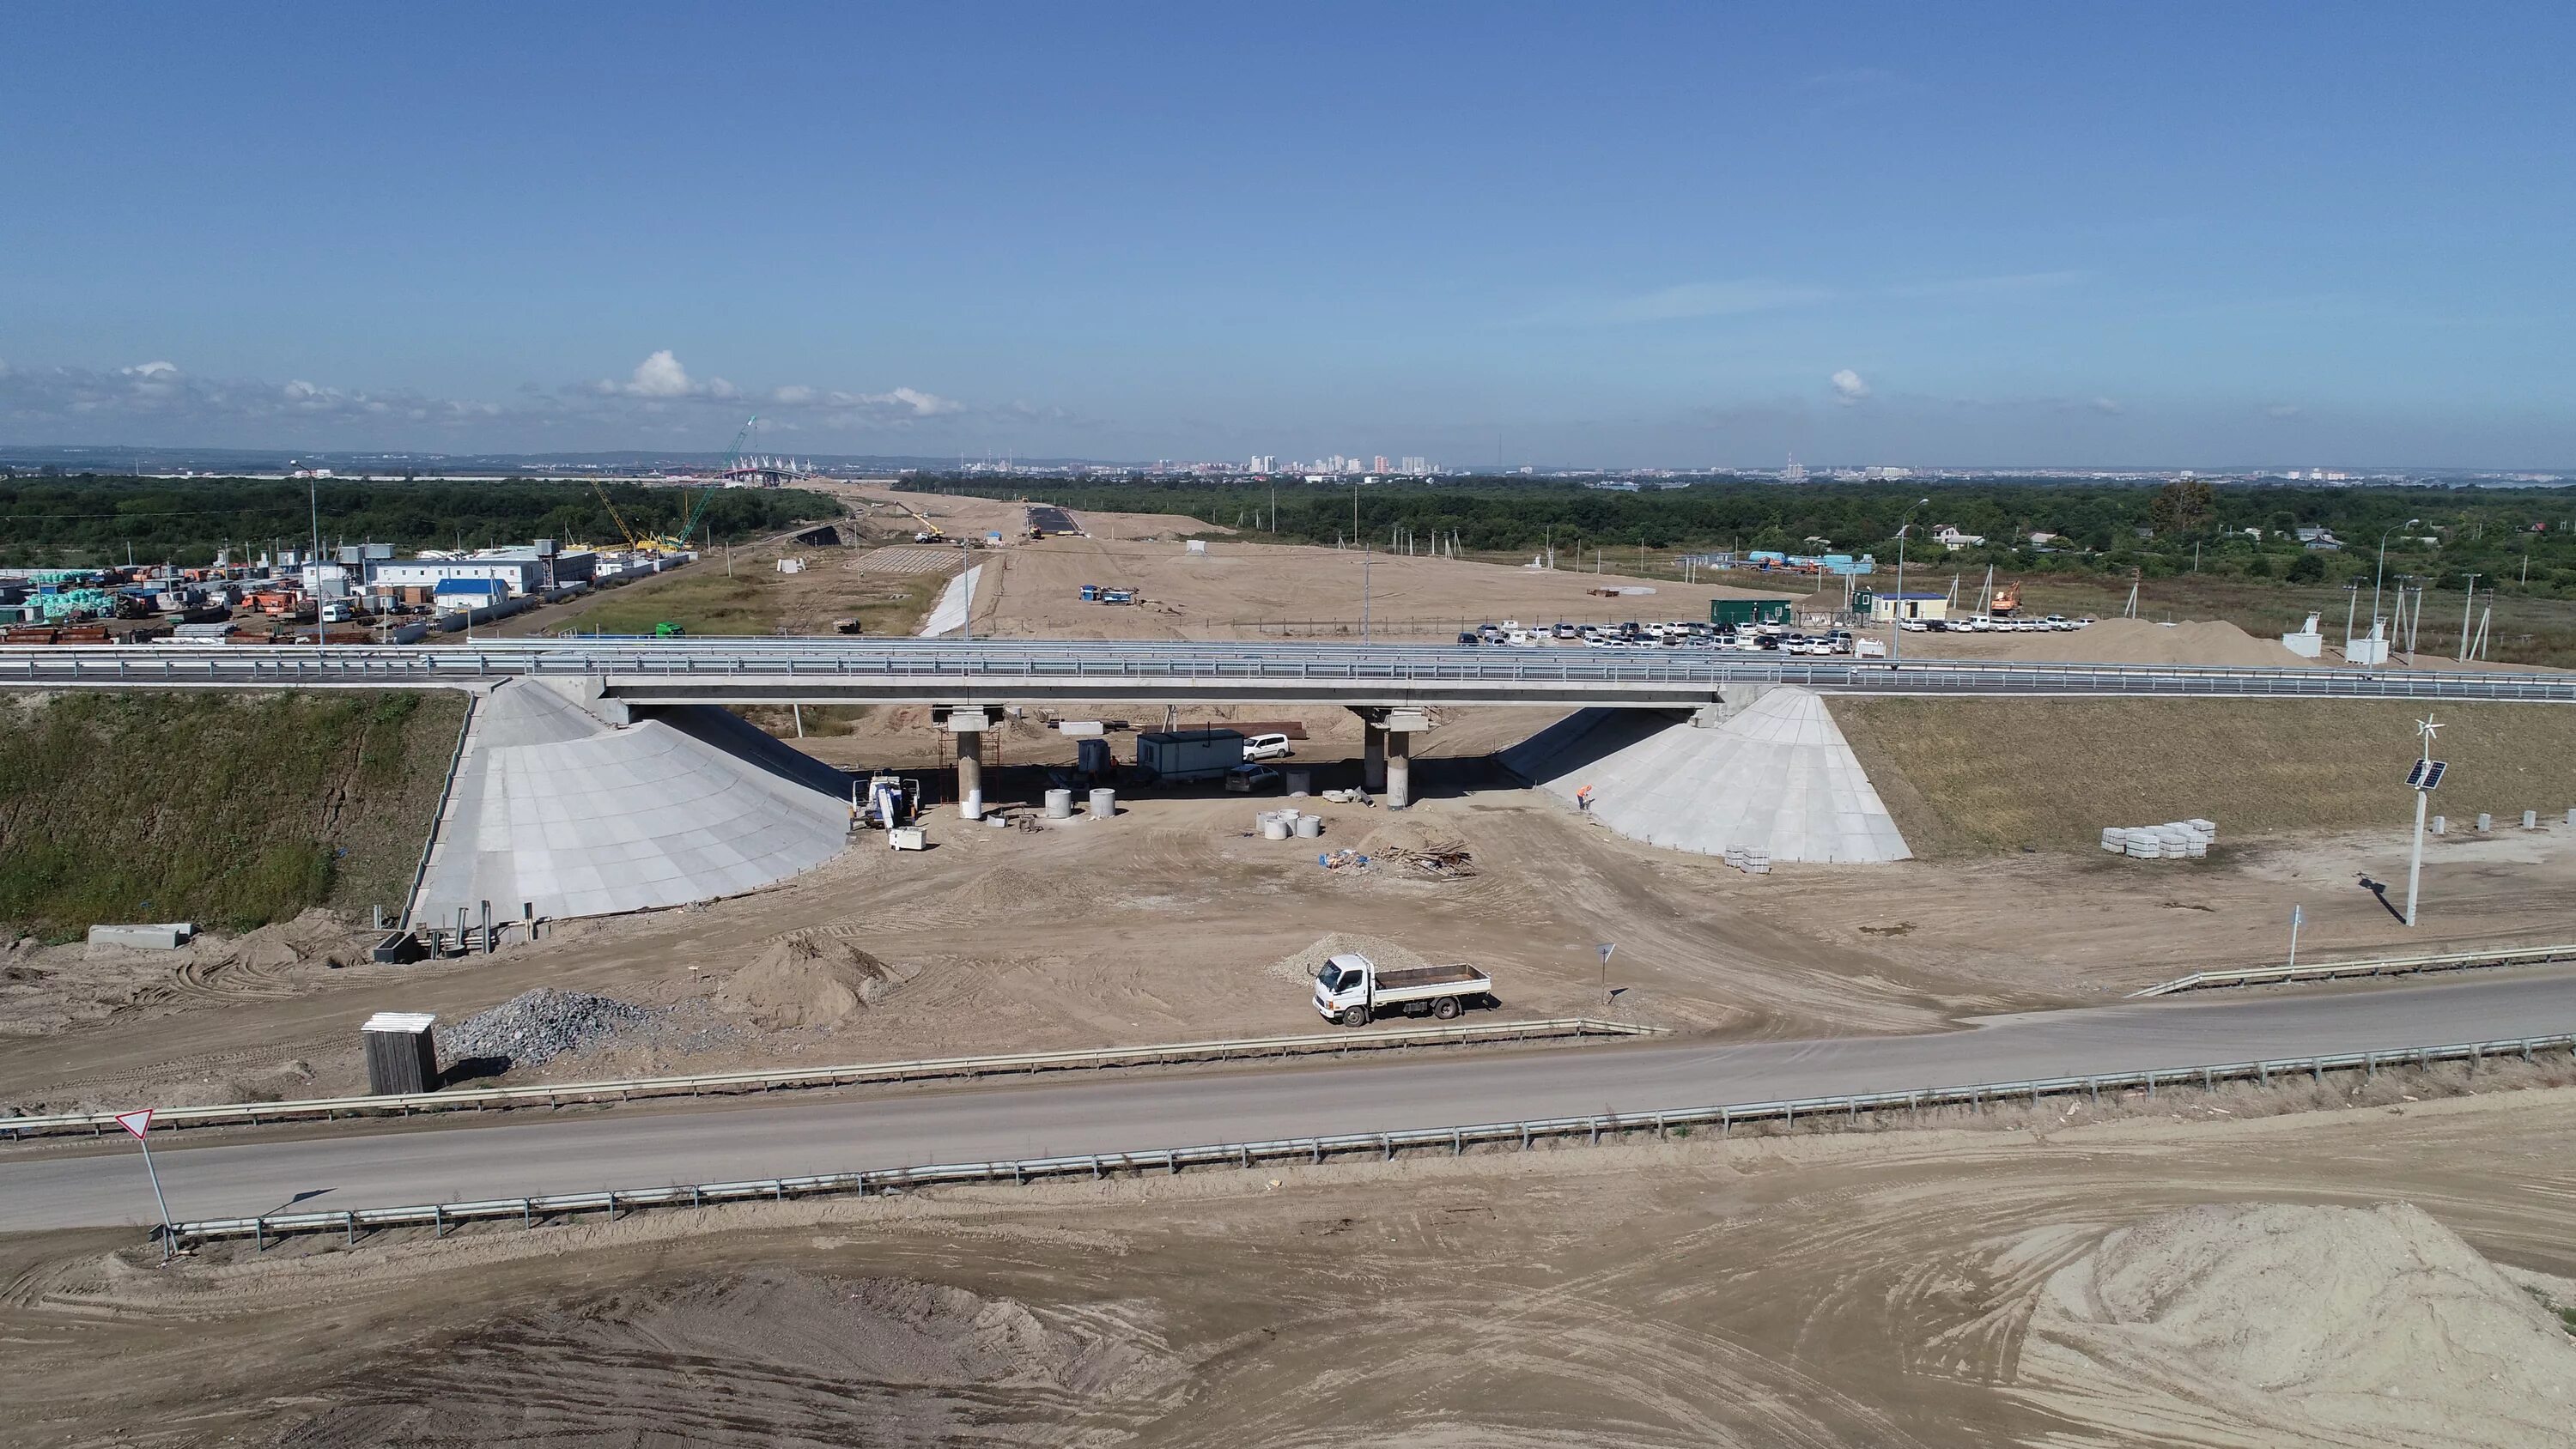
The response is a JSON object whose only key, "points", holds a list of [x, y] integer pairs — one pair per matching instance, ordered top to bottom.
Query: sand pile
{"points": [[1303, 966], [806, 980], [2278, 1323], [763, 1358]]}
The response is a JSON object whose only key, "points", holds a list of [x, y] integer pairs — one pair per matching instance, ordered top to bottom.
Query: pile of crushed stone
{"points": [[1305, 964], [807, 980], [534, 1027], [2299, 1324]]}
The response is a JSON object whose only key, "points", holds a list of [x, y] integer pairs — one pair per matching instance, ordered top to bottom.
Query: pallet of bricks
{"points": [[2175, 840], [1749, 860]]}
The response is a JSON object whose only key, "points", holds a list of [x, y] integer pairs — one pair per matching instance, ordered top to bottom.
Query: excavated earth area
{"points": [[1167, 922], [2387, 1276]]}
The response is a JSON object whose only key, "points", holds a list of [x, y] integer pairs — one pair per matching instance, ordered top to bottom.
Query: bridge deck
{"points": [[836, 671]]}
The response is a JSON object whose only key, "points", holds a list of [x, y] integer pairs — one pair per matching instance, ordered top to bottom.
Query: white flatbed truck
{"points": [[1354, 990]]}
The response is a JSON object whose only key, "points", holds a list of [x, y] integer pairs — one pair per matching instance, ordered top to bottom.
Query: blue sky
{"points": [[2006, 234]]}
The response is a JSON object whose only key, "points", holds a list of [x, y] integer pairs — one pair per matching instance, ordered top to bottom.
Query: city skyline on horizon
{"points": [[1513, 237]]}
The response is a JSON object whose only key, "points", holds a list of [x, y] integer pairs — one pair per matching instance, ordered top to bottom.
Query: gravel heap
{"points": [[1305, 964], [534, 1027]]}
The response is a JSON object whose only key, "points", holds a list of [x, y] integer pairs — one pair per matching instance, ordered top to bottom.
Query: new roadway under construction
{"points": [[355, 1167]]}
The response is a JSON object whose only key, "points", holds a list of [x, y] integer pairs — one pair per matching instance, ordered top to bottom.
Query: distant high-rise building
{"points": [[1265, 463], [1381, 464], [1417, 467], [1795, 472]]}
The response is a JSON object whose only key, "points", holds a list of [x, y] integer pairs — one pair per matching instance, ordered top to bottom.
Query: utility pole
{"points": [[313, 561], [1364, 595], [2466, 606], [1896, 614], [2425, 779]]}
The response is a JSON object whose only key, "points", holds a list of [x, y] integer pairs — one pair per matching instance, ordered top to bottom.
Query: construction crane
{"points": [[633, 544]]}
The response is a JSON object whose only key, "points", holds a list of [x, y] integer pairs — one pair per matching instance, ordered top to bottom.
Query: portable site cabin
{"points": [[1884, 608], [1736, 613]]}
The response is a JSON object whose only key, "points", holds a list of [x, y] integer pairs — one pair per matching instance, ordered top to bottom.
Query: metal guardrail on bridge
{"points": [[941, 670], [2350, 970], [332, 1109], [527, 1210]]}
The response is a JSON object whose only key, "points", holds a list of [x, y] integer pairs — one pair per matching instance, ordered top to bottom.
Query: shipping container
{"points": [[1737, 613]]}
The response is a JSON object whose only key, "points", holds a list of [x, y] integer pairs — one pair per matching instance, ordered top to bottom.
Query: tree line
{"points": [[89, 521], [2513, 537]]}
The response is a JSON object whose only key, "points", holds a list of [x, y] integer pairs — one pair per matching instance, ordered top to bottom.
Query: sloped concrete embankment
{"points": [[1772, 775], [569, 806]]}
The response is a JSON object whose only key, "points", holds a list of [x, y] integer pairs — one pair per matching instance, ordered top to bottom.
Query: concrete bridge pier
{"points": [[967, 727], [1386, 752]]}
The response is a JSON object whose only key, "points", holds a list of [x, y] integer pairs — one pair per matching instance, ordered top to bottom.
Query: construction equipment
{"points": [[633, 544], [2007, 601], [887, 802]]}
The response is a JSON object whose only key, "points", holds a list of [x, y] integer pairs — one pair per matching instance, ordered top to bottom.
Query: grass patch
{"points": [[761, 602], [1969, 777], [228, 809]]}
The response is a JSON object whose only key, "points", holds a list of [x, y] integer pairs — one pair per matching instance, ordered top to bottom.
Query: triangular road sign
{"points": [[137, 1123]]}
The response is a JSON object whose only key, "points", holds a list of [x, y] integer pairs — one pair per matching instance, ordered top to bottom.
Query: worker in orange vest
{"points": [[1583, 799]]}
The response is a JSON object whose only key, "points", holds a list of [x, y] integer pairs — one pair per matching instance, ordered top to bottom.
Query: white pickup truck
{"points": [[1353, 990]]}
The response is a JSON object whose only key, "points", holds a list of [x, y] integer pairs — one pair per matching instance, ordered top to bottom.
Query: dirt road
{"points": [[1869, 1289]]}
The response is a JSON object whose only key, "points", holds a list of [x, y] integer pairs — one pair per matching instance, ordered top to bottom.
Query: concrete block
{"points": [[163, 936]]}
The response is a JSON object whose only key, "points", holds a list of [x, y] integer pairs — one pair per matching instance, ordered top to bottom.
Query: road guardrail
{"points": [[936, 670], [2349, 970], [247, 1114], [1385, 1145]]}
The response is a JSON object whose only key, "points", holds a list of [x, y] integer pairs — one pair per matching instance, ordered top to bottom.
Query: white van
{"points": [[1265, 747]]}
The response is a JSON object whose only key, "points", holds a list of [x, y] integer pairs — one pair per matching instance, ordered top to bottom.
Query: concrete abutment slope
{"points": [[1770, 774], [582, 807]]}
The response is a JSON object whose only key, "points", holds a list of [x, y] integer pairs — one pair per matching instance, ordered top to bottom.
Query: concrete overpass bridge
{"points": [[1360, 676], [601, 775]]}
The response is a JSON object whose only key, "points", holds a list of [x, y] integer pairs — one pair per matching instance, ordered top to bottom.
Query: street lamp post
{"points": [[2377, 578], [1896, 615]]}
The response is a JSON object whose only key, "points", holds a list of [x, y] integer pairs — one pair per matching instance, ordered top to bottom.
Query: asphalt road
{"points": [[635, 1147]]}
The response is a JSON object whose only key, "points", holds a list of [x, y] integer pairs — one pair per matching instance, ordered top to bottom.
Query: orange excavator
{"points": [[2007, 601]]}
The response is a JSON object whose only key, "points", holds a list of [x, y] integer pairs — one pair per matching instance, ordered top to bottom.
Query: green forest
{"points": [[95, 520], [2516, 539]]}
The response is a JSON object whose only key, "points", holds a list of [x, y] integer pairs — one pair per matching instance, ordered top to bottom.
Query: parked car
{"points": [[1266, 747], [1245, 779]]}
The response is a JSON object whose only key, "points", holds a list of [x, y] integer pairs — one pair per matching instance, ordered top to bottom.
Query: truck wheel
{"points": [[1446, 1008], [1355, 1016]]}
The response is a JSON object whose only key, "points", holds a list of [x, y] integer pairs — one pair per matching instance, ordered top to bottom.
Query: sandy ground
{"points": [[1253, 590], [1163, 924], [2024, 1285]]}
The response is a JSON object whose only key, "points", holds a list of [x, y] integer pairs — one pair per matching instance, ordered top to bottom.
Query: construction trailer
{"points": [[1741, 613], [1181, 756]]}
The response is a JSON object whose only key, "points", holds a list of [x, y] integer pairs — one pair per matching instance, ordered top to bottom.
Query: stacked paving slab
{"points": [[1772, 780], [560, 805]]}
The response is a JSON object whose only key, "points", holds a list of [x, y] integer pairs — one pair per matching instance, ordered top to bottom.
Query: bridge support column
{"points": [[967, 726], [1386, 752]]}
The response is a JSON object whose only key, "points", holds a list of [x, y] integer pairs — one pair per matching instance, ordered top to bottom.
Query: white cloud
{"points": [[661, 376], [1848, 387], [660, 402], [2109, 407], [2281, 410]]}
